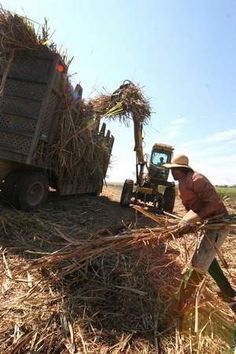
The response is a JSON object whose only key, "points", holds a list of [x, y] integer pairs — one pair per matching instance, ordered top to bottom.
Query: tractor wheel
{"points": [[10, 188], [33, 191], [127, 192], [169, 199]]}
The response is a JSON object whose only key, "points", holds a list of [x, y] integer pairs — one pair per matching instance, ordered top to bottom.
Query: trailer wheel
{"points": [[33, 191], [127, 192], [169, 199]]}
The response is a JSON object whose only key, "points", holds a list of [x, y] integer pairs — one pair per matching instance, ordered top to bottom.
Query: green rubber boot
{"points": [[217, 274]]}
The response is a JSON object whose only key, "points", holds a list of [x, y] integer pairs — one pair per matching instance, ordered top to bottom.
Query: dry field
{"points": [[118, 301]]}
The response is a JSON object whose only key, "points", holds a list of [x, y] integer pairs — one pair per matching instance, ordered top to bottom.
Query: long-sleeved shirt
{"points": [[197, 193]]}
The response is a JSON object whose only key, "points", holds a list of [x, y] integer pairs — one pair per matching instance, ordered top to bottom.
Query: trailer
{"points": [[33, 103]]}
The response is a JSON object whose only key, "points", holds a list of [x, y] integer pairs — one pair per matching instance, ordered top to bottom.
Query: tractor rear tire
{"points": [[33, 191], [127, 193], [169, 199]]}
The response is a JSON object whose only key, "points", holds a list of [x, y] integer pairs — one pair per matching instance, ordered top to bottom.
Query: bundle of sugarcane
{"points": [[17, 32], [126, 103], [77, 152], [84, 251]]}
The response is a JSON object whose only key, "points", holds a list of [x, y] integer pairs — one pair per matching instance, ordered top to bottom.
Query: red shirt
{"points": [[197, 193]]}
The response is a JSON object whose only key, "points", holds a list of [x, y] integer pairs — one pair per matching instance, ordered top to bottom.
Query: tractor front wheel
{"points": [[127, 193]]}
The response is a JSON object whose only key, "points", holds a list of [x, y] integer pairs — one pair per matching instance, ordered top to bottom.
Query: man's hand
{"points": [[191, 217], [187, 224]]}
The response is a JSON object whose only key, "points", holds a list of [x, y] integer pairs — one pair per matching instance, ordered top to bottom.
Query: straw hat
{"points": [[178, 161]]}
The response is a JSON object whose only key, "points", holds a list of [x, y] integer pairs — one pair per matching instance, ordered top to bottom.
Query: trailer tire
{"points": [[33, 191], [127, 193], [169, 199]]}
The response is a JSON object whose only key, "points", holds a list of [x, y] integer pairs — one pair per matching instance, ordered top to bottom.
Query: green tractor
{"points": [[152, 187]]}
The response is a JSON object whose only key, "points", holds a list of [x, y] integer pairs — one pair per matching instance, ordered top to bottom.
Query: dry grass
{"points": [[67, 290]]}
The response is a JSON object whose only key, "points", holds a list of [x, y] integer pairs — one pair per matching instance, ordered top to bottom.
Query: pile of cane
{"points": [[76, 292]]}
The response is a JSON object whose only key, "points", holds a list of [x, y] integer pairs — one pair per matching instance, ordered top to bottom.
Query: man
{"points": [[161, 162], [201, 202]]}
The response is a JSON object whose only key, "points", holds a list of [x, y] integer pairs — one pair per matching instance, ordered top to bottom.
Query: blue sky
{"points": [[183, 54]]}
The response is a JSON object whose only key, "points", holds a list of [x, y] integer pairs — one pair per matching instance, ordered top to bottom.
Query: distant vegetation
{"points": [[227, 191]]}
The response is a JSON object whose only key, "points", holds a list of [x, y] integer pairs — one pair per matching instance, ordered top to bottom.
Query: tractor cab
{"points": [[160, 155]]}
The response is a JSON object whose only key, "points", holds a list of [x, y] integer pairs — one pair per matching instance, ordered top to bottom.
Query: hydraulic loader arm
{"points": [[116, 98], [138, 148]]}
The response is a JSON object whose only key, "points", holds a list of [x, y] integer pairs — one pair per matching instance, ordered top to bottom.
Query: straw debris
{"points": [[67, 287]]}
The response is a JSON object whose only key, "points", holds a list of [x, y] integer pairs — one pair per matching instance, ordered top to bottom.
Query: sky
{"points": [[181, 52]]}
